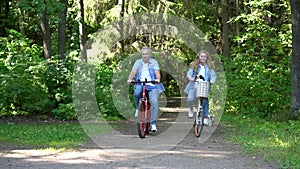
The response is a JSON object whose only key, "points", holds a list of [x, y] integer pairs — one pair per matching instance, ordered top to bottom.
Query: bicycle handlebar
{"points": [[143, 82]]}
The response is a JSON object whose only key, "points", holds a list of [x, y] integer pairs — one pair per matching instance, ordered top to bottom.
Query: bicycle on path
{"points": [[202, 91], [144, 113]]}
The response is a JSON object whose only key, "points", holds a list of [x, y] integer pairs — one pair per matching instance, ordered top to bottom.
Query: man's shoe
{"points": [[136, 112], [191, 114], [206, 121], [153, 128]]}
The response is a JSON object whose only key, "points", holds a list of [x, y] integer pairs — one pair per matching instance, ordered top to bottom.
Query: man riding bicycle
{"points": [[147, 68]]}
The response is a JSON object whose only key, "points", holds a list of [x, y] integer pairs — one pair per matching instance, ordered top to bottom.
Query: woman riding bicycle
{"points": [[202, 65], [147, 68]]}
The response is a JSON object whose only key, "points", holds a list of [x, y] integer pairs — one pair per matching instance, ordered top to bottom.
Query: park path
{"points": [[214, 153]]}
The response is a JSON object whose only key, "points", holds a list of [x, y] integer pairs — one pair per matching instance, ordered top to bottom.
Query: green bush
{"points": [[32, 85], [257, 87], [22, 88], [103, 90], [65, 112]]}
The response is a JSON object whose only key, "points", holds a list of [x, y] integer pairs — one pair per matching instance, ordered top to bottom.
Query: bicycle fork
{"points": [[199, 112], [145, 114]]}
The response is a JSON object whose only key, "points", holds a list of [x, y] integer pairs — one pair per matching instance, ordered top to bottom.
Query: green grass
{"points": [[43, 135], [276, 141]]}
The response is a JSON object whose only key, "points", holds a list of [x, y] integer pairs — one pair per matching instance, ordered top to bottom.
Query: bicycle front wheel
{"points": [[142, 123], [198, 126]]}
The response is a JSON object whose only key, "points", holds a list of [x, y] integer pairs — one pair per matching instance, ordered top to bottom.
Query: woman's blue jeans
{"points": [[153, 97], [191, 100]]}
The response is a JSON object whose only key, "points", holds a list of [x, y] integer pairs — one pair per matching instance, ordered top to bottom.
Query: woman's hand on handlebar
{"points": [[192, 79], [157, 81]]}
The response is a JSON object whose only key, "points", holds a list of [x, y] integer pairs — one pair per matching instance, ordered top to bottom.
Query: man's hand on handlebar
{"points": [[130, 81]]}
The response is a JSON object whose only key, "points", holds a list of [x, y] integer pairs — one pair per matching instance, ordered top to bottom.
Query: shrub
{"points": [[22, 88]]}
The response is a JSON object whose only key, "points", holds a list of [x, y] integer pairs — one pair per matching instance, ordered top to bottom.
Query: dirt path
{"points": [[189, 152]]}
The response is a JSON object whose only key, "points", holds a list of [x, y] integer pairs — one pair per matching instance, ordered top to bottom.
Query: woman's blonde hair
{"points": [[196, 61]]}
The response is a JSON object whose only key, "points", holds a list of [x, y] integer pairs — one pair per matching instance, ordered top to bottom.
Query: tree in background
{"points": [[50, 13], [224, 15], [82, 33], [46, 34], [62, 39], [260, 59], [295, 100]]}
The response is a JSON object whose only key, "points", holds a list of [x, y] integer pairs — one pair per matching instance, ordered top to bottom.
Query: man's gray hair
{"points": [[146, 48]]}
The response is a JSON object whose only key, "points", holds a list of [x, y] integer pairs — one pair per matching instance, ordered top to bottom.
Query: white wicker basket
{"points": [[202, 89]]}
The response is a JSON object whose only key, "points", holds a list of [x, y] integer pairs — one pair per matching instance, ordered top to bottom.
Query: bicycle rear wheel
{"points": [[142, 123], [198, 126]]}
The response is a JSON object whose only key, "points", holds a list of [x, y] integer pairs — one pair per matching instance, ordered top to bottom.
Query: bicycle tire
{"points": [[148, 118], [142, 123], [198, 127], [148, 128], [142, 129]]}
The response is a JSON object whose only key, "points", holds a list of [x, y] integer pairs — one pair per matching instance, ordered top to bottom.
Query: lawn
{"points": [[64, 135], [276, 141]]}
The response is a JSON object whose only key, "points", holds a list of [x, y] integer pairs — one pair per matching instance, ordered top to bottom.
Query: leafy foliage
{"points": [[258, 74], [32, 85], [257, 87], [22, 88], [103, 90]]}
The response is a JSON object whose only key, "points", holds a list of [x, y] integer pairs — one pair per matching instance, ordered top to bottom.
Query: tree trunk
{"points": [[121, 4], [7, 8], [4, 16], [21, 21], [237, 25], [225, 28], [46, 36], [82, 37], [61, 41], [295, 98]]}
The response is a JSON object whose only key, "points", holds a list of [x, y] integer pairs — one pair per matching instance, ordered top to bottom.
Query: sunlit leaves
{"points": [[52, 7]]}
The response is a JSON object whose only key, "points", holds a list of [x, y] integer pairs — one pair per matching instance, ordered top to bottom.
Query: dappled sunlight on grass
{"points": [[50, 135], [277, 141]]}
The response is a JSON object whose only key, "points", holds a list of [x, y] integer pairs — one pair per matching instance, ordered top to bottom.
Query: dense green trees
{"points": [[254, 38], [261, 53]]}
